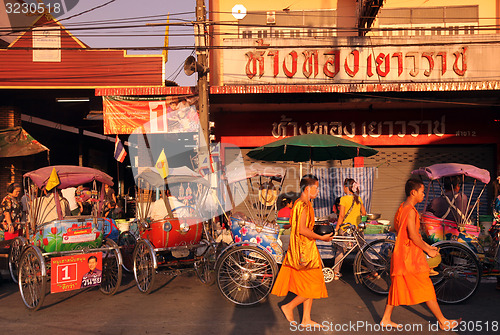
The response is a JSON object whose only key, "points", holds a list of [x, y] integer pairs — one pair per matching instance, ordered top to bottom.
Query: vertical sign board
{"points": [[47, 44], [76, 271]]}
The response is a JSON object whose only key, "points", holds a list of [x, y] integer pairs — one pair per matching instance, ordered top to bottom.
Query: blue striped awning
{"points": [[331, 182]]}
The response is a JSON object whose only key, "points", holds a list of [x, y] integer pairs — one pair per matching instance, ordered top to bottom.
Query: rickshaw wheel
{"points": [[126, 241], [16, 249], [144, 266], [372, 266], [205, 267], [111, 269], [246, 274], [328, 274], [458, 274], [32, 278]]}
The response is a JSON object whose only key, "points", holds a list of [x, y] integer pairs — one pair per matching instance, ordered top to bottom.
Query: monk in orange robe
{"points": [[301, 272], [411, 283]]}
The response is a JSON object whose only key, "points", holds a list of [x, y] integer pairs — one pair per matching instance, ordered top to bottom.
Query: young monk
{"points": [[301, 272], [411, 284]]}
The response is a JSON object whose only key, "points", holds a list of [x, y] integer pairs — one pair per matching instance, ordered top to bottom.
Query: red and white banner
{"points": [[171, 114]]}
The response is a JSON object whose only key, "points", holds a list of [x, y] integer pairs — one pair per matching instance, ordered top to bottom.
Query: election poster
{"points": [[76, 271]]}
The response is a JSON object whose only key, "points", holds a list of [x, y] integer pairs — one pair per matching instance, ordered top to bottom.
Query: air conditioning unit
{"points": [[271, 17]]}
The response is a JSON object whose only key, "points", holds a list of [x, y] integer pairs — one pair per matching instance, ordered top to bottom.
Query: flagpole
{"points": [[118, 176]]}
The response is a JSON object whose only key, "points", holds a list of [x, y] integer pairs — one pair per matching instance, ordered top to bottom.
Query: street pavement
{"points": [[182, 305]]}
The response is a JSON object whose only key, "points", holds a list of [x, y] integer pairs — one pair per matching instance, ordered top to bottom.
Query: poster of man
{"points": [[94, 276]]}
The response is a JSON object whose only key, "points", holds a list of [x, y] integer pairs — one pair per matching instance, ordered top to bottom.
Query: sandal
{"points": [[336, 276]]}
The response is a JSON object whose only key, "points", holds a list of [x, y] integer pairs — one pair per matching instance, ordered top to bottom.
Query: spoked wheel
{"points": [[126, 242], [16, 249], [144, 266], [372, 266], [205, 267], [111, 269], [245, 274], [328, 274], [458, 275], [32, 278]]}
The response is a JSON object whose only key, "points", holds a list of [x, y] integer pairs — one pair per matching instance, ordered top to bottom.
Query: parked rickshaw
{"points": [[173, 234], [60, 248], [465, 258], [246, 269]]}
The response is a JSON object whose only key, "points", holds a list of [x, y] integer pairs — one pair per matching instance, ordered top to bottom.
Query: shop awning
{"points": [[17, 142]]}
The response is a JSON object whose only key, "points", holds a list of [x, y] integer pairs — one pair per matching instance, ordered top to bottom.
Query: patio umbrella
{"points": [[310, 147]]}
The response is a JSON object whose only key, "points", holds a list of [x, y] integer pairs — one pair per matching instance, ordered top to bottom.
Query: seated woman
{"points": [[453, 205], [48, 208], [158, 210], [284, 213]]}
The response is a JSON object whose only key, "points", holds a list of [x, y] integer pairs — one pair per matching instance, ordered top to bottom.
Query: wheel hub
{"points": [[245, 276]]}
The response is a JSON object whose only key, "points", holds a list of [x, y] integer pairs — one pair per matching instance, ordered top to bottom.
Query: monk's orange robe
{"points": [[301, 272], [411, 284]]}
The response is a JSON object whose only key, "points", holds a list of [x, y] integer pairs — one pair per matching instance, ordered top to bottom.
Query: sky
{"points": [[139, 13]]}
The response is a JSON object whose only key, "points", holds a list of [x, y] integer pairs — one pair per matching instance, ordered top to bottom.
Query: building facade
{"points": [[419, 83]]}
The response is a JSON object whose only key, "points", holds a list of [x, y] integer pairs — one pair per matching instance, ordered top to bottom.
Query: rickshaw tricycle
{"points": [[172, 233], [69, 251], [465, 258]]}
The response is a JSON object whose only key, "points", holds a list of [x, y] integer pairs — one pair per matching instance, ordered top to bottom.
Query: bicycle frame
{"points": [[353, 239]]}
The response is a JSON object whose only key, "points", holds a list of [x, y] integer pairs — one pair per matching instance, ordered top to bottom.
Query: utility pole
{"points": [[202, 55]]}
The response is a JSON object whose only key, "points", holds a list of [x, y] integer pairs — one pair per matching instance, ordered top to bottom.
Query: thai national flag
{"points": [[120, 152]]}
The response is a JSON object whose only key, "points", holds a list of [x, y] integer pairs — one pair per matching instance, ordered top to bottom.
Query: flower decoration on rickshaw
{"points": [[243, 231], [257, 240]]}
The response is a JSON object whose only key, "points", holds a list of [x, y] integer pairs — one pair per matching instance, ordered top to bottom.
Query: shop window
{"points": [[247, 34]]}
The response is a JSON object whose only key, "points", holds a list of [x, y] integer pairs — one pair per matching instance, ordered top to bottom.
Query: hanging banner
{"points": [[167, 114]]}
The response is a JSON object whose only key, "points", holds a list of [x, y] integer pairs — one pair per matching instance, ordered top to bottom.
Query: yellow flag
{"points": [[165, 44], [162, 165], [53, 180]]}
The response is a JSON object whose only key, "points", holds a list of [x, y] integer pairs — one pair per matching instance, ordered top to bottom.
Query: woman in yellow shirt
{"points": [[351, 210]]}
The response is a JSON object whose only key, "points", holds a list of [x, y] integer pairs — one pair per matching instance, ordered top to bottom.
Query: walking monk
{"points": [[301, 272], [411, 284]]}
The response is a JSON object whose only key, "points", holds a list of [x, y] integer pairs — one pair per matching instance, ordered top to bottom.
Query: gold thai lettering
{"points": [[390, 125], [429, 126], [416, 127], [439, 127], [336, 129], [373, 129], [351, 133], [402, 133]]}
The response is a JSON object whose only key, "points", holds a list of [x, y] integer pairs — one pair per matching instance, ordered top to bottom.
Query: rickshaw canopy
{"points": [[437, 171], [175, 175], [69, 176]]}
